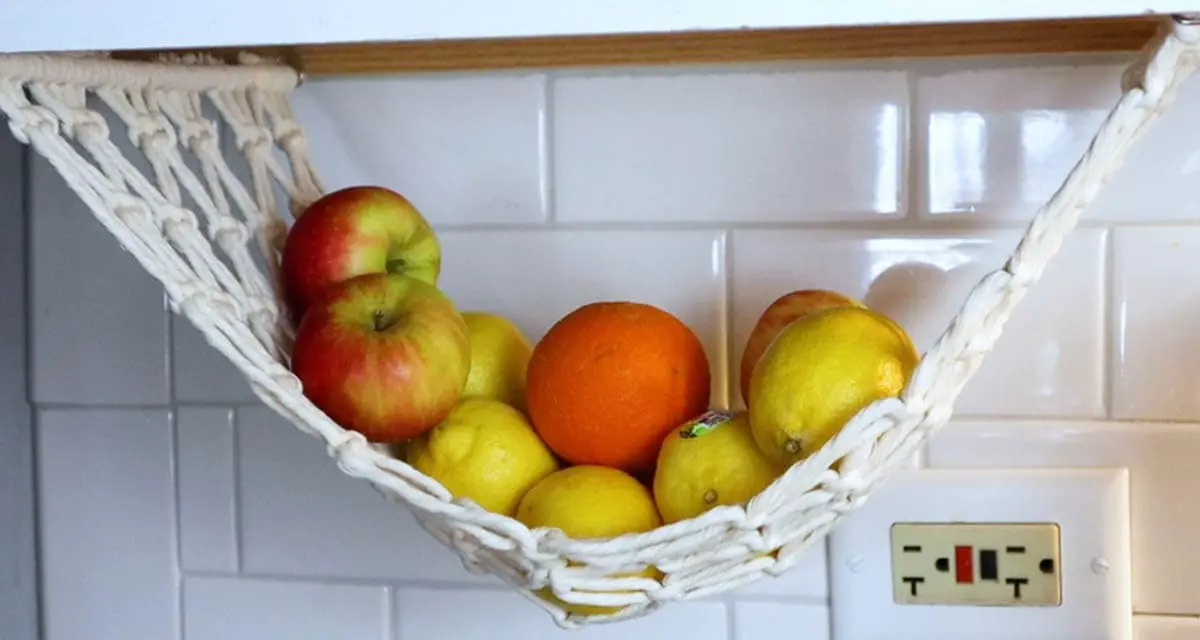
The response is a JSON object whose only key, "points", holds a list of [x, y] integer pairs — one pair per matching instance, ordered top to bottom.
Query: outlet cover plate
{"points": [[1090, 507]]}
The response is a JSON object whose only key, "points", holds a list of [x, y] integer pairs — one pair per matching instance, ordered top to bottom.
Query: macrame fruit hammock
{"points": [[217, 258]]}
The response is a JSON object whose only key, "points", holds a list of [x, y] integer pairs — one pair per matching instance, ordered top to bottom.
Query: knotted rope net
{"points": [[212, 236]]}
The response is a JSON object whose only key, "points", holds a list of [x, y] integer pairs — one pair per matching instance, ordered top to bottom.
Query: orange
{"points": [[610, 379]]}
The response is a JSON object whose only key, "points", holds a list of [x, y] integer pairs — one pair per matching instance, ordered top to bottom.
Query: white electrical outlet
{"points": [[1082, 512], [1000, 563]]}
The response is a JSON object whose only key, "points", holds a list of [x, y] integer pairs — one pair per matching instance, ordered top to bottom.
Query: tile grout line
{"points": [[913, 143], [916, 168], [549, 184], [921, 226], [27, 264], [1108, 330], [727, 343], [169, 356], [67, 406], [173, 412], [35, 414], [235, 420], [1072, 420], [176, 524], [39, 542], [350, 581], [397, 584], [775, 598], [827, 601], [182, 611], [1153, 614], [731, 619], [391, 621], [831, 628]]}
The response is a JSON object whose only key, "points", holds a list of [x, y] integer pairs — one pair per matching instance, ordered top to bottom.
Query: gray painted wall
{"points": [[18, 561]]}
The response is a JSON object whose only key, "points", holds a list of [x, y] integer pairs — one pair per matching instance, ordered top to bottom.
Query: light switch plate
{"points": [[1089, 506]]}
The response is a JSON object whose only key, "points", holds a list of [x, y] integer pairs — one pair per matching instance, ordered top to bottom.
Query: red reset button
{"points": [[964, 567]]}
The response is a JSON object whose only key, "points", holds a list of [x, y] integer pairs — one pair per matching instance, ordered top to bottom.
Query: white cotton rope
{"points": [[94, 72], [212, 235]]}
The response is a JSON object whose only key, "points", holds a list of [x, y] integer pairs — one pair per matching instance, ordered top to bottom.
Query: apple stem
{"points": [[395, 265], [381, 321]]}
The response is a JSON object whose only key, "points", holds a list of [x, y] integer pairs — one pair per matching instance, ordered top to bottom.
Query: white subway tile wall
{"points": [[1000, 141], [780, 146], [463, 149], [1157, 182], [1155, 283], [98, 321], [203, 374], [174, 505], [301, 516], [107, 526], [208, 539], [218, 608], [504, 615], [780, 621]]}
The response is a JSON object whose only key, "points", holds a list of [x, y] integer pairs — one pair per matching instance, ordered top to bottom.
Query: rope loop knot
{"points": [[32, 118], [86, 125], [152, 132], [200, 136]]}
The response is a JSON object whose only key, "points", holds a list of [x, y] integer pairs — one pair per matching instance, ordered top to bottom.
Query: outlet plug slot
{"points": [[987, 565], [913, 581], [1016, 585]]}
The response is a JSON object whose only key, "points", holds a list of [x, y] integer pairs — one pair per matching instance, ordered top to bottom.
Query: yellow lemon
{"points": [[499, 356], [819, 372], [484, 450], [710, 461], [590, 501]]}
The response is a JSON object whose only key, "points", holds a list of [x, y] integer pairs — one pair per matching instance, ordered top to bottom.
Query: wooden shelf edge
{"points": [[1099, 35]]}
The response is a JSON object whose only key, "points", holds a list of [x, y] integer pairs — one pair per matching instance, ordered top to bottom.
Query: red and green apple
{"points": [[351, 232], [785, 310], [385, 355]]}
